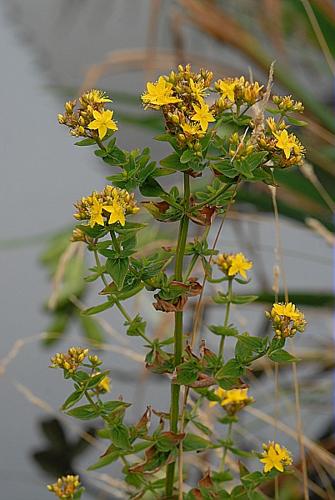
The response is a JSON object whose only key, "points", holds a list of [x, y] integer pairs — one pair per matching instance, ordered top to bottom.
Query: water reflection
{"points": [[58, 454]]}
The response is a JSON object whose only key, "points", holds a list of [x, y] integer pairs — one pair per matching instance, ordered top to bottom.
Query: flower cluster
{"points": [[238, 92], [181, 97], [287, 104], [88, 116], [240, 147], [285, 147], [109, 206], [233, 264], [286, 319], [71, 360], [232, 400], [275, 457], [65, 487]]}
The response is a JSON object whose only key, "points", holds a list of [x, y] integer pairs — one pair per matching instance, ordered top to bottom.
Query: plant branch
{"points": [[178, 330]]}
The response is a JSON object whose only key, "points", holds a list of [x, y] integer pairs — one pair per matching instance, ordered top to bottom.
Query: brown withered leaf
{"points": [[193, 173], [156, 209], [204, 216], [194, 287], [169, 305], [190, 353], [206, 353], [159, 361], [203, 380], [161, 414], [143, 424], [173, 437], [109, 450], [154, 460], [206, 481]]}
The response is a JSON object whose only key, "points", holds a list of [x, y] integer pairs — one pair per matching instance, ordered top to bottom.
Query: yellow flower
{"points": [[197, 89], [227, 89], [159, 93], [95, 96], [202, 115], [103, 122], [272, 124], [191, 129], [285, 142], [111, 199], [96, 213], [116, 213], [239, 264], [290, 310], [286, 319], [71, 360], [105, 385], [220, 393], [235, 396], [232, 400], [275, 457], [65, 487]]}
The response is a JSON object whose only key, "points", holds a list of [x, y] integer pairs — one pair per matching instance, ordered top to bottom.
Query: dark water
{"points": [[42, 48]]}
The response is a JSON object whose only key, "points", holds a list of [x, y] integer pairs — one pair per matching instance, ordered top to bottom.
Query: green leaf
{"points": [[294, 121], [168, 138], [85, 142], [187, 155], [115, 157], [256, 159], [171, 161], [226, 168], [243, 168], [151, 188], [130, 227], [118, 268], [243, 299], [97, 309], [136, 326], [225, 331], [252, 342], [276, 343], [282, 356], [231, 369], [187, 373], [96, 379], [72, 399], [111, 407], [85, 412], [120, 436], [193, 442], [106, 460], [220, 477], [252, 480]]}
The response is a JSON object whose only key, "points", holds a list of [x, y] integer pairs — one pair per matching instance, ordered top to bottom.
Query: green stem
{"points": [[100, 143], [213, 197], [115, 242], [99, 266], [229, 297], [178, 330], [90, 400], [225, 449]]}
